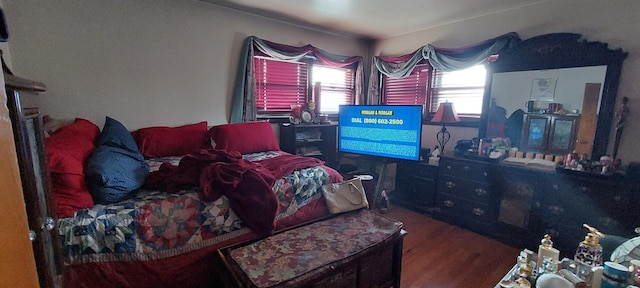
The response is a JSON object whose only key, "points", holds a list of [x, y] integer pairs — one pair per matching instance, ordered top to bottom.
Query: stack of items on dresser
{"points": [[500, 149], [586, 269]]}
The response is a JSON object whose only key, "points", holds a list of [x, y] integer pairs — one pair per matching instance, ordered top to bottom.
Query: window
{"points": [[281, 84], [336, 87], [429, 87], [463, 88], [411, 90]]}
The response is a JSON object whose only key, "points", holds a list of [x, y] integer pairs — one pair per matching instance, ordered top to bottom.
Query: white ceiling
{"points": [[375, 19]]}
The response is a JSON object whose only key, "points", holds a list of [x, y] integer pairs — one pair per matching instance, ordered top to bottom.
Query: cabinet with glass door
{"points": [[549, 133]]}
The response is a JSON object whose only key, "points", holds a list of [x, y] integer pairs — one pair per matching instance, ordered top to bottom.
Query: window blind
{"points": [[279, 84], [411, 90]]}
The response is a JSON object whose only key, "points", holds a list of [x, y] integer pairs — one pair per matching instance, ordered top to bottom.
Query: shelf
{"points": [[308, 141]]}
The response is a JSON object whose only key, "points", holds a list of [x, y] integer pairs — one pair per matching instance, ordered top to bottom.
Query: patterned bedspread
{"points": [[155, 225]]}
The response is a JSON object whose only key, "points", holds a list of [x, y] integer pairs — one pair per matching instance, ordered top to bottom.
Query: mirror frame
{"points": [[562, 50]]}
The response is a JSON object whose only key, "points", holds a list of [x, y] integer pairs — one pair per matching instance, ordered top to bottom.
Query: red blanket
{"points": [[247, 185]]}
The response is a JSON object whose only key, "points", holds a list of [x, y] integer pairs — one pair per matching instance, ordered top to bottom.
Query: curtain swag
{"points": [[444, 59], [243, 97]]}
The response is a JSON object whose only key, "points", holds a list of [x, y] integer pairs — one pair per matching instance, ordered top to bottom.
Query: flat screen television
{"points": [[391, 131]]}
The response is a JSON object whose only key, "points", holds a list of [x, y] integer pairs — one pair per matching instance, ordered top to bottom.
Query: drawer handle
{"points": [[448, 167], [466, 168], [485, 174], [450, 184], [556, 187], [481, 192], [448, 203], [478, 211]]}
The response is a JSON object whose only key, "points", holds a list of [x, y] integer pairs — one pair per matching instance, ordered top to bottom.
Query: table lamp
{"points": [[445, 114]]}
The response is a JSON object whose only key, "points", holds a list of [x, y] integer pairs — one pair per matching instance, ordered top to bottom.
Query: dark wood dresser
{"points": [[415, 185], [465, 192], [519, 205]]}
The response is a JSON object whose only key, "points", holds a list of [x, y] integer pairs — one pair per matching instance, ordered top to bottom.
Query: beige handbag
{"points": [[345, 196]]}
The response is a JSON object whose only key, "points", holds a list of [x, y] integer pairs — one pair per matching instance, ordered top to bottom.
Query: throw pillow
{"points": [[248, 137], [162, 141], [67, 151], [116, 167]]}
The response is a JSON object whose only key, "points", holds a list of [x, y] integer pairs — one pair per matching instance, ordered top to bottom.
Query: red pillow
{"points": [[249, 137], [164, 141], [67, 151]]}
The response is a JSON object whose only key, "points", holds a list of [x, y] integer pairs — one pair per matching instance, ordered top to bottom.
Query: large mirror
{"points": [[553, 93]]}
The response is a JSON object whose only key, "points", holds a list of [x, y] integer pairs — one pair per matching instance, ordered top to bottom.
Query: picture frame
{"points": [[543, 89]]}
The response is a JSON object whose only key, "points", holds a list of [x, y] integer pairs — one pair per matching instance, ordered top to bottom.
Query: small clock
{"points": [[306, 116]]}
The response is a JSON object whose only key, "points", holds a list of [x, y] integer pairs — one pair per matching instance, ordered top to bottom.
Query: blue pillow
{"points": [[116, 168]]}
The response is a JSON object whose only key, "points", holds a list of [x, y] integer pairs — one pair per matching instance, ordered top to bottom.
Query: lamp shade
{"points": [[445, 114]]}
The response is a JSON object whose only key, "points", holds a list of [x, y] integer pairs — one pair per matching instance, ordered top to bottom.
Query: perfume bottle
{"points": [[546, 250], [589, 251]]}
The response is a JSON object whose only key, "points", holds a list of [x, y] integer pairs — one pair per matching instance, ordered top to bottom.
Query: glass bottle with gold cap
{"points": [[546, 250], [589, 251]]}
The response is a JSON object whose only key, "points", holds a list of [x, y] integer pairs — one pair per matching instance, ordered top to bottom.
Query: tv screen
{"points": [[381, 130]]}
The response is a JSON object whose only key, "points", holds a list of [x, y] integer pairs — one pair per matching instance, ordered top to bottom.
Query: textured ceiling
{"points": [[375, 19]]}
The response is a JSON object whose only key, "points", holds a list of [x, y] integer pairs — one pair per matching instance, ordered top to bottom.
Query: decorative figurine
{"points": [[621, 119]]}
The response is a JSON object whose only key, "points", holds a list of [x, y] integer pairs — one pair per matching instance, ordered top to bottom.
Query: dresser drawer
{"points": [[416, 170], [468, 170], [465, 189], [417, 192], [587, 200], [465, 208]]}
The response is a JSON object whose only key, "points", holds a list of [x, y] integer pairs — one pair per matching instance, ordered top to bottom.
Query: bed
{"points": [[154, 238]]}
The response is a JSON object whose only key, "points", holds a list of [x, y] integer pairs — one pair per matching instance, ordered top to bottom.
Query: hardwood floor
{"points": [[439, 255]]}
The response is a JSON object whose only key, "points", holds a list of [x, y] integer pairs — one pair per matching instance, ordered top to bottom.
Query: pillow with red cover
{"points": [[248, 137], [162, 141], [67, 151]]}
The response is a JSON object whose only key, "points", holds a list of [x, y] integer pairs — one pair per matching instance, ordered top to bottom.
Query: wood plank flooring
{"points": [[439, 255]]}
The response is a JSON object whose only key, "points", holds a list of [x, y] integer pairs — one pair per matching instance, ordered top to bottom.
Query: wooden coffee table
{"points": [[356, 249]]}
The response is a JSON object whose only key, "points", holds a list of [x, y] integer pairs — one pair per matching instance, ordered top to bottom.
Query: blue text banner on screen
{"points": [[381, 130]]}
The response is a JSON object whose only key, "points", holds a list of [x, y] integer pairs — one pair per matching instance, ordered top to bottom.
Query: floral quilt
{"points": [[154, 224]]}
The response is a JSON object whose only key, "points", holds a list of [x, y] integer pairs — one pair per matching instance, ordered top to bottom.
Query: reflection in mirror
{"points": [[560, 79], [512, 90], [518, 95], [535, 133], [561, 137]]}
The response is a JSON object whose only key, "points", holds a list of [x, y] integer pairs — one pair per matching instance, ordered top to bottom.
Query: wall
{"points": [[613, 22], [143, 62]]}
